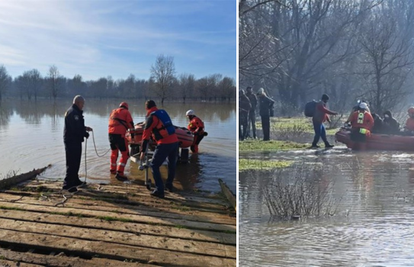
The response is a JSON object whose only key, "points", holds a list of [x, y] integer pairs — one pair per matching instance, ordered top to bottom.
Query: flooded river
{"points": [[31, 136], [373, 225]]}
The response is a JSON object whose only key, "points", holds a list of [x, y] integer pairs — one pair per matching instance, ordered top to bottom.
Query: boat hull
{"points": [[185, 137], [378, 141]]}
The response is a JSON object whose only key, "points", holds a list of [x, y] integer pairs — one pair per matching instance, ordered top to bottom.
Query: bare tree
{"points": [[388, 56], [162, 73], [54, 79], [4, 81], [187, 84], [227, 89]]}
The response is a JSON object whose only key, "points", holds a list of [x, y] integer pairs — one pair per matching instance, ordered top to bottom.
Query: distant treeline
{"points": [[349, 49], [185, 87]]}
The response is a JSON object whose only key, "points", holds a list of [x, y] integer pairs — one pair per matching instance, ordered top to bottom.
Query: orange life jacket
{"points": [[120, 121]]}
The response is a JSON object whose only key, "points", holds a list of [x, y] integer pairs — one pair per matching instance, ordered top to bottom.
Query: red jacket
{"points": [[321, 112], [120, 121], [367, 121], [152, 123], [409, 124], [196, 125]]}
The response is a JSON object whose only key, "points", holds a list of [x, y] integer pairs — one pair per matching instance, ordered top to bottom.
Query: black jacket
{"points": [[253, 101], [265, 104], [74, 130]]}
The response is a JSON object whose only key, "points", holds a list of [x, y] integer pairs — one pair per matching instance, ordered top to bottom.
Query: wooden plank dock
{"points": [[113, 225]]}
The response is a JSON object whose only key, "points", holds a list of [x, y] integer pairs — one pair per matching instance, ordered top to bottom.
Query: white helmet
{"points": [[363, 105], [190, 112]]}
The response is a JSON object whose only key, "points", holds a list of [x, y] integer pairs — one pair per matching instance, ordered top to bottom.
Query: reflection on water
{"points": [[31, 136], [374, 225]]}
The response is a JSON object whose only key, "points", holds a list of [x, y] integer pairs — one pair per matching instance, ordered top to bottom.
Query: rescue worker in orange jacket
{"points": [[120, 121], [361, 123], [409, 124], [158, 125], [196, 126]]}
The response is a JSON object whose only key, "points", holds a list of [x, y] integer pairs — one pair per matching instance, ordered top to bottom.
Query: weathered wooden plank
{"points": [[136, 193], [170, 211], [124, 217], [136, 228], [142, 240], [112, 250], [60, 260], [9, 263]]}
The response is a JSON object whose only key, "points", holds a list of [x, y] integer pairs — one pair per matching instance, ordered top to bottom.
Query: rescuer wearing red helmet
{"points": [[120, 121], [409, 124], [159, 125], [196, 126]]}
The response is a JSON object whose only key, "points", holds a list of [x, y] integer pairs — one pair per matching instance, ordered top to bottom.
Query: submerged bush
{"points": [[304, 191]]}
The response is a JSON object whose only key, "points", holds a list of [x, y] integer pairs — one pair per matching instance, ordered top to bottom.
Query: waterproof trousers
{"points": [[118, 143]]}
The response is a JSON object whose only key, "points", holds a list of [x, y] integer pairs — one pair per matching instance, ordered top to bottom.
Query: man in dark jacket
{"points": [[265, 105], [244, 108], [252, 112], [319, 117], [391, 125], [73, 136]]}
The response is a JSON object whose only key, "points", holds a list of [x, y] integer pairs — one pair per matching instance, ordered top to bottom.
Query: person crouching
{"points": [[196, 126]]}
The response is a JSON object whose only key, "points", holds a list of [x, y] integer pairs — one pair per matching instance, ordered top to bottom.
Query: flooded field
{"points": [[31, 136], [372, 195]]}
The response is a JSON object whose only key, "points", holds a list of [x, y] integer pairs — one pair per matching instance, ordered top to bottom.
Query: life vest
{"points": [[115, 120], [360, 122], [196, 123], [166, 129]]}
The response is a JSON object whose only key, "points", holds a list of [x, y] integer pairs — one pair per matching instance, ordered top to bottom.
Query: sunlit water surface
{"points": [[31, 136], [374, 224]]}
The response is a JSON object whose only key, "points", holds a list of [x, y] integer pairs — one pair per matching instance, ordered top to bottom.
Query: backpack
{"points": [[310, 108]]}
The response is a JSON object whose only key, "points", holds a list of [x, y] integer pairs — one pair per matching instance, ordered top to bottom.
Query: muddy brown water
{"points": [[31, 137], [373, 226]]}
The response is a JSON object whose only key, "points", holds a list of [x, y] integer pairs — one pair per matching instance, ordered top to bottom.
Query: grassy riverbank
{"points": [[255, 164]]}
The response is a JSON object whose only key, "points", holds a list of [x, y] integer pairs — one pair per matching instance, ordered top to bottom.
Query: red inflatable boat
{"points": [[185, 137], [378, 141]]}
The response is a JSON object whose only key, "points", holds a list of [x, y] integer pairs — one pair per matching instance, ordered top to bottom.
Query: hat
{"points": [[325, 97]]}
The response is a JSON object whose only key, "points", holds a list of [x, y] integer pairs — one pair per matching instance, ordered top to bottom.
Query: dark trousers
{"points": [[252, 122], [243, 124], [266, 127], [320, 132], [161, 152], [73, 153]]}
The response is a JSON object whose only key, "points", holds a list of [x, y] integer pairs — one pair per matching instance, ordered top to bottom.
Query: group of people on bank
{"points": [[248, 103], [361, 122], [158, 127]]}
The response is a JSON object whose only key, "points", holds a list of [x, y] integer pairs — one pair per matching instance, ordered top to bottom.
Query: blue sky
{"points": [[118, 38]]}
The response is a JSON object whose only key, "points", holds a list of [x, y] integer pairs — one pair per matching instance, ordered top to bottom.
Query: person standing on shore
{"points": [[265, 105], [244, 108], [252, 112], [159, 125], [73, 135]]}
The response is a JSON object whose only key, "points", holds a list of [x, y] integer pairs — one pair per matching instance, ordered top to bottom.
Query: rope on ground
{"points": [[96, 151], [62, 203]]}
